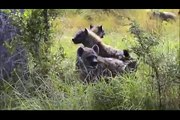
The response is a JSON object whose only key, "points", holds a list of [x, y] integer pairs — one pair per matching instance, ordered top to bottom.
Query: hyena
{"points": [[164, 16], [98, 30], [89, 39], [92, 67]]}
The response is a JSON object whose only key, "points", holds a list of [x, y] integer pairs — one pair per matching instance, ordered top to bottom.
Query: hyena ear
{"points": [[91, 26], [100, 27], [86, 31], [96, 48], [80, 51], [126, 53]]}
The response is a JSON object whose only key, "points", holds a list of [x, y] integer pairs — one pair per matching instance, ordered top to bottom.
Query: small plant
{"points": [[35, 35]]}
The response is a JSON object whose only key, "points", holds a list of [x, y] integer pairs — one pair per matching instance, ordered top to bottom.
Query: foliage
{"points": [[164, 71], [53, 83]]}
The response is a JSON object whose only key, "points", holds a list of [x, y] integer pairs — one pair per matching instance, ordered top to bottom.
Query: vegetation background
{"points": [[53, 83]]}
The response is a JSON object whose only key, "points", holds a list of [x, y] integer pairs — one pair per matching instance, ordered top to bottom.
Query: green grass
{"points": [[136, 91]]}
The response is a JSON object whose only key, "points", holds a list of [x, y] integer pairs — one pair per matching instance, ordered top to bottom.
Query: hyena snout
{"points": [[102, 35], [73, 40], [76, 41], [94, 63]]}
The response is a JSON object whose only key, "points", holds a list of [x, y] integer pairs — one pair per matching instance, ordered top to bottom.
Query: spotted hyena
{"points": [[164, 16], [98, 30], [89, 39], [92, 67]]}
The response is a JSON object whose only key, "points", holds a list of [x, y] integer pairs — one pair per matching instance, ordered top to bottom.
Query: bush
{"points": [[165, 70]]}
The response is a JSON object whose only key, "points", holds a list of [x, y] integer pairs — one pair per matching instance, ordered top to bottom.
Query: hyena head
{"points": [[154, 14], [98, 30], [80, 36], [123, 55], [126, 55], [89, 56]]}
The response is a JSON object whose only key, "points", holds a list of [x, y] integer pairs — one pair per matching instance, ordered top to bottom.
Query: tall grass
{"points": [[62, 89]]}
